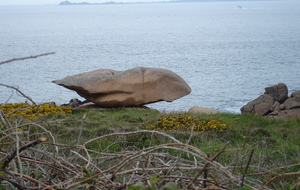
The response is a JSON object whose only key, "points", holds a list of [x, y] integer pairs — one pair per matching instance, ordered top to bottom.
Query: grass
{"points": [[259, 151]]}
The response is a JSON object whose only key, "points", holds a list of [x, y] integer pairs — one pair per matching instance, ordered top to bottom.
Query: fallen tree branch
{"points": [[23, 58]]}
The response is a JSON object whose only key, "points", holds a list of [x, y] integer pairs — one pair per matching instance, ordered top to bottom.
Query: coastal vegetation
{"points": [[33, 110], [52, 147], [140, 148]]}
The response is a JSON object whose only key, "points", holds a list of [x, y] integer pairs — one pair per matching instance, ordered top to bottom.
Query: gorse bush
{"points": [[31, 111], [186, 122]]}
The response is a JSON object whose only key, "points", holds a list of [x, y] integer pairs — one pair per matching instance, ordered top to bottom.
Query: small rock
{"points": [[295, 94], [51, 103], [74, 103], [292, 103], [88, 106], [276, 106], [282, 107], [198, 109], [289, 114]]}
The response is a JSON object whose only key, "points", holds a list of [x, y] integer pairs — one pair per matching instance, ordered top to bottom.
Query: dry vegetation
{"points": [[109, 149]]}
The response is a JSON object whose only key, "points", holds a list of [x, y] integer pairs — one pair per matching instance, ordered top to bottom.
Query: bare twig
{"points": [[23, 58], [19, 91], [80, 129], [133, 132], [247, 135], [9, 158], [207, 164], [247, 166], [116, 169], [274, 170], [282, 175], [30, 178], [13, 183]]}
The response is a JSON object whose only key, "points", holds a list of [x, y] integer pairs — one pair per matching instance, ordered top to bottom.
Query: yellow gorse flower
{"points": [[31, 111], [186, 122]]}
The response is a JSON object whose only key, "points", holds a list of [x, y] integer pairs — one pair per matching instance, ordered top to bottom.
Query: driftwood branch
{"points": [[29, 57]]}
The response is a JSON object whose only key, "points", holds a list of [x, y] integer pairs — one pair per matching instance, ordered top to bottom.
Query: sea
{"points": [[227, 51]]}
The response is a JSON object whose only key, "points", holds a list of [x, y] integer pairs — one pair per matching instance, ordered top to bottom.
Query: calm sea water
{"points": [[227, 55]]}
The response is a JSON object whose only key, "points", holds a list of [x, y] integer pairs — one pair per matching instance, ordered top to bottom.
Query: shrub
{"points": [[31, 110], [186, 122]]}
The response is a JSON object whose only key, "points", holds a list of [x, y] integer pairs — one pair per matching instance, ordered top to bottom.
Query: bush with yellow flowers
{"points": [[31, 110], [186, 122]]}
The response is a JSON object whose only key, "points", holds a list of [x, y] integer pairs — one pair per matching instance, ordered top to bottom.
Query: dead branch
{"points": [[23, 58], [19, 91], [133, 132], [12, 155], [207, 164], [62, 166], [247, 166], [274, 170], [281, 175], [30, 178], [13, 183]]}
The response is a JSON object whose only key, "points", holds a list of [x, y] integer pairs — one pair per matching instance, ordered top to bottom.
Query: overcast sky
{"points": [[53, 2]]}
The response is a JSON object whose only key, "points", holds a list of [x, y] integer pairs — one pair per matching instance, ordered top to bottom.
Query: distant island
{"points": [[112, 2], [85, 3]]}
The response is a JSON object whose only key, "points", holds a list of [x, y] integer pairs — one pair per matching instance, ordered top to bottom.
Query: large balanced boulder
{"points": [[133, 87], [275, 102]]}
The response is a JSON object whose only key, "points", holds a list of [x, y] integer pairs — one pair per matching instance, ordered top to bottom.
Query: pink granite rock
{"points": [[137, 86]]}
